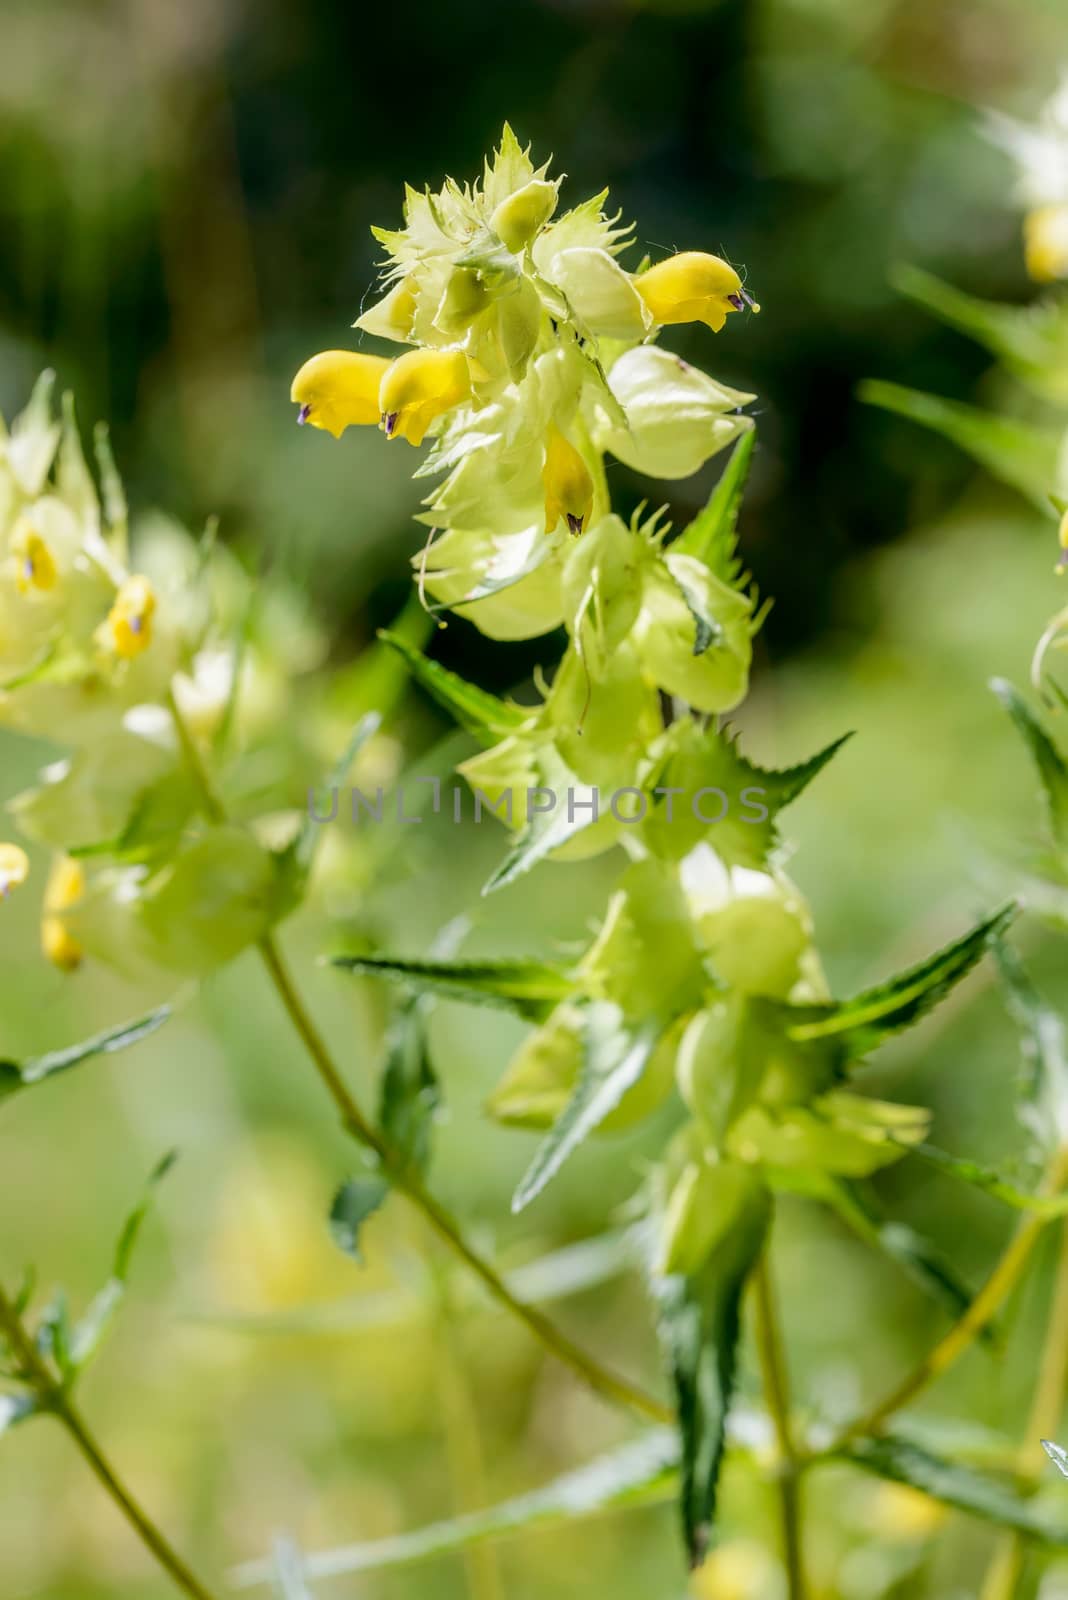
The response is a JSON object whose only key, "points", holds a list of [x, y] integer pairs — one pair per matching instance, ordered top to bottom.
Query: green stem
{"points": [[980, 1313], [606, 1383], [777, 1396], [55, 1400], [1047, 1406]]}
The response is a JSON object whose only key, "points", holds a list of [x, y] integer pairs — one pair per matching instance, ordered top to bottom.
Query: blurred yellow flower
{"points": [[1046, 242], [693, 287], [419, 386], [338, 388], [568, 485], [35, 567], [129, 624], [14, 867], [65, 886], [905, 1514], [737, 1570]]}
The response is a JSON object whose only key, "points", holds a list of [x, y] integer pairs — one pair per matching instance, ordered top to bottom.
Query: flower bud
{"points": [[523, 214], [1046, 242], [693, 287], [390, 318], [420, 386], [337, 389], [568, 485], [129, 623], [14, 868], [65, 887]]}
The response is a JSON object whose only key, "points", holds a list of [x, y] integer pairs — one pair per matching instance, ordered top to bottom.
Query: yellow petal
{"points": [[1046, 243], [692, 287], [419, 386], [337, 389], [567, 482], [35, 567], [129, 624], [66, 885]]}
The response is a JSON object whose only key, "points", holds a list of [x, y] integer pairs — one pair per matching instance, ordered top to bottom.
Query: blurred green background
{"points": [[185, 196]]}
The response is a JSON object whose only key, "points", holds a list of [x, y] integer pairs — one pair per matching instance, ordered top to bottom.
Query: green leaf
{"points": [[1031, 340], [1022, 456], [711, 535], [707, 630], [483, 715], [1051, 766], [546, 830], [301, 853], [527, 987], [872, 1016], [614, 1058], [14, 1077], [409, 1093], [1043, 1106], [991, 1182], [355, 1201], [918, 1258], [699, 1326], [88, 1333], [1057, 1455], [642, 1472], [980, 1494]]}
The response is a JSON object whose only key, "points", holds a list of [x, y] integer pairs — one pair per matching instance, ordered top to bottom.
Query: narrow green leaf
{"points": [[1032, 340], [1022, 456], [711, 535], [707, 630], [482, 714], [1050, 764], [301, 853], [526, 987], [872, 1016], [614, 1058], [14, 1077], [409, 1092], [1043, 1106], [991, 1182], [355, 1201], [916, 1256], [699, 1325], [88, 1333], [1057, 1455], [642, 1472], [980, 1494], [289, 1581]]}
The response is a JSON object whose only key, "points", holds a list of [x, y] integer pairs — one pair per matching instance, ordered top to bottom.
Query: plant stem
{"points": [[980, 1313], [606, 1383], [777, 1395], [54, 1400], [1047, 1406]]}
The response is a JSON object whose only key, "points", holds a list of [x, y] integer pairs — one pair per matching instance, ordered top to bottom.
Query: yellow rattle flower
{"points": [[693, 287], [419, 386], [338, 388], [567, 482], [35, 567], [129, 624], [14, 868], [65, 886]]}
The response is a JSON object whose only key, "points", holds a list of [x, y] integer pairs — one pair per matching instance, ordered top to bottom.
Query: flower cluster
{"points": [[92, 650]]}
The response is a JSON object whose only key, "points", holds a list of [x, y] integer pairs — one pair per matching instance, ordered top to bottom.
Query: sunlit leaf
{"points": [[711, 535], [482, 714], [1049, 763], [546, 830], [526, 987], [1057, 1455]]}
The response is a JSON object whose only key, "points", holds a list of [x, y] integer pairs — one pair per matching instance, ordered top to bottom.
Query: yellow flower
{"points": [[1046, 242], [693, 287], [419, 386], [338, 388], [568, 485], [1062, 539], [35, 567], [129, 624], [14, 867], [65, 886], [737, 1570]]}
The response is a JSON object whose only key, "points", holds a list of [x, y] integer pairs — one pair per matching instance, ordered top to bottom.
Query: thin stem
{"points": [[980, 1313], [606, 1383], [777, 1396], [54, 1399], [1047, 1406]]}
